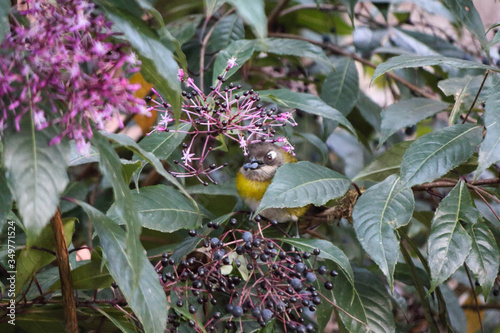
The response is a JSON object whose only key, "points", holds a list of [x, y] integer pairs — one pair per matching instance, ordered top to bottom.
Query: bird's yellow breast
{"points": [[250, 190]]}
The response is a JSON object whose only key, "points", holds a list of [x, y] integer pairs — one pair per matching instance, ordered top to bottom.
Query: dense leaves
{"points": [[391, 109]]}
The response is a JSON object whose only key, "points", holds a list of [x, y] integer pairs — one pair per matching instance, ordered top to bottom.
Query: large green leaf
{"points": [[252, 12], [465, 13], [4, 18], [227, 30], [293, 47], [241, 50], [411, 61], [158, 63], [341, 87], [306, 102], [407, 113], [162, 144], [489, 152], [436, 153], [386, 164], [36, 173], [303, 183], [5, 199], [162, 208], [377, 213], [127, 214], [449, 243], [328, 252], [483, 258], [31, 260], [147, 300], [376, 301], [351, 310]]}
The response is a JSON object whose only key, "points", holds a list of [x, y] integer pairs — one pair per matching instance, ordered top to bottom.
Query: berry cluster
{"points": [[225, 112], [244, 277]]}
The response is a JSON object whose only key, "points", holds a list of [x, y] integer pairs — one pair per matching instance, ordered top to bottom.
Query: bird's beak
{"points": [[252, 165]]}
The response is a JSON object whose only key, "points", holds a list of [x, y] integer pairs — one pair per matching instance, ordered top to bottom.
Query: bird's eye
{"points": [[271, 155]]}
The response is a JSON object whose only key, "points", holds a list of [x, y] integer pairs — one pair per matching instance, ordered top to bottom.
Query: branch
{"points": [[276, 12], [338, 50], [477, 95], [452, 182], [64, 274]]}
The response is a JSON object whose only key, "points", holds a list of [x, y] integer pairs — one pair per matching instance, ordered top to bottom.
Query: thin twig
{"points": [[204, 46], [338, 50], [477, 95], [452, 182], [475, 297]]}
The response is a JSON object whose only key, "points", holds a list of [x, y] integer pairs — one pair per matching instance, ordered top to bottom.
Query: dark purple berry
{"points": [[192, 232], [247, 236], [322, 270], [311, 277], [296, 284], [328, 285], [180, 303], [192, 309], [237, 311], [256, 312], [267, 314]]}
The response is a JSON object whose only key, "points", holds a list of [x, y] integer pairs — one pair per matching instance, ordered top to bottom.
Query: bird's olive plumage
{"points": [[256, 174]]}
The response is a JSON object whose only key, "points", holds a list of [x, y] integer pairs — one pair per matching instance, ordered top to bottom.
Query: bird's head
{"points": [[263, 159]]}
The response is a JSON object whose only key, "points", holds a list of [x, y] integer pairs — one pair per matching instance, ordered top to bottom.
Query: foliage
{"points": [[395, 120]]}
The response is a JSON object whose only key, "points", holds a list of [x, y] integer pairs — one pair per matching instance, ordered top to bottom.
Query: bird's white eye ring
{"points": [[271, 155]]}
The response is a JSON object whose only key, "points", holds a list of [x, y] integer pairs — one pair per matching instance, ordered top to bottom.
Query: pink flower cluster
{"points": [[63, 69], [225, 112]]}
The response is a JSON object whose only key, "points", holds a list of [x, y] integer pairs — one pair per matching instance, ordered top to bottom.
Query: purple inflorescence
{"points": [[63, 69], [225, 112]]}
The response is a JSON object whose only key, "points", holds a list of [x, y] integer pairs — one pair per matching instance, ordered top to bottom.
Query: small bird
{"points": [[256, 174]]}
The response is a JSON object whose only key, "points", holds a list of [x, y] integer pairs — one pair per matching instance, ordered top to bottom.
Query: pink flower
{"points": [[231, 63], [180, 75]]}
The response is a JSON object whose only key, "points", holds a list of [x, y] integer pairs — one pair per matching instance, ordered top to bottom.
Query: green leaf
{"points": [[349, 5], [212, 6], [252, 12], [465, 13], [4, 18], [184, 28], [227, 30], [293, 47], [242, 50], [411, 61], [158, 64], [341, 87], [306, 102], [370, 110], [407, 113], [130, 144], [163, 144], [489, 152], [436, 153], [76, 158], [386, 164], [111, 168], [128, 169], [36, 173], [303, 183], [227, 188], [5, 199], [162, 208], [381, 210], [449, 243], [328, 252], [483, 258], [31, 260], [89, 276], [147, 300], [376, 301], [351, 310], [121, 323]]}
